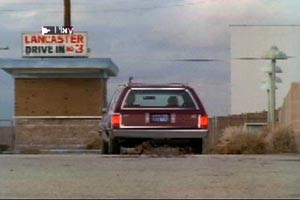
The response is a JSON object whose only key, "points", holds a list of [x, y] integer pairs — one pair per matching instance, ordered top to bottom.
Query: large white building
{"points": [[246, 75]]}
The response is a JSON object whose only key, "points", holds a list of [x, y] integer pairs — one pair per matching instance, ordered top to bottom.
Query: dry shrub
{"points": [[281, 140], [236, 141], [95, 144], [149, 147], [30, 151]]}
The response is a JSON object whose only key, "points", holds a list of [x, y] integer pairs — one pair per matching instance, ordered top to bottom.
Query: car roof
{"points": [[151, 85]]}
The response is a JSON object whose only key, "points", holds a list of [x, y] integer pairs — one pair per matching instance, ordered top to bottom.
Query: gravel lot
{"points": [[146, 176]]}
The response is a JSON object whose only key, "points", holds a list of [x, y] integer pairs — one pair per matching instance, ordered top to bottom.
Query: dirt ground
{"points": [[149, 176]]}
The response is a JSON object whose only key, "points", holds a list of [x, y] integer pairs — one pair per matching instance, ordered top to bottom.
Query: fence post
{"points": [[217, 131], [212, 133], [13, 135]]}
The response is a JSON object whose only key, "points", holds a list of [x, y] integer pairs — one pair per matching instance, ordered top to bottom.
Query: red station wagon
{"points": [[161, 112]]}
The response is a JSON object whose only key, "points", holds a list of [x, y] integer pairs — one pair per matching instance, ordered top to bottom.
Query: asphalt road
{"points": [[201, 176]]}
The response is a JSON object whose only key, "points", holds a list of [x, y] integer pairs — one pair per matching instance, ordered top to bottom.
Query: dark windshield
{"points": [[159, 99]]}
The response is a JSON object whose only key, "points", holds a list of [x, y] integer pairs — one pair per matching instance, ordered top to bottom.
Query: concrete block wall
{"points": [[56, 113], [289, 114], [56, 133]]}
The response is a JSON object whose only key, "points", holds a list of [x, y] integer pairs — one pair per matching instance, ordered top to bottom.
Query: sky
{"points": [[144, 37]]}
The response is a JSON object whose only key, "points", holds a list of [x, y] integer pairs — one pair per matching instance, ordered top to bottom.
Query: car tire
{"points": [[113, 146], [197, 146], [104, 148]]}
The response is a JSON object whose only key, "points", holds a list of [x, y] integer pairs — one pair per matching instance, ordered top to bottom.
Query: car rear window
{"points": [[155, 98]]}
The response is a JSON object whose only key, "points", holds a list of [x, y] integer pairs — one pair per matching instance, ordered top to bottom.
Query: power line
{"points": [[86, 2], [150, 8]]}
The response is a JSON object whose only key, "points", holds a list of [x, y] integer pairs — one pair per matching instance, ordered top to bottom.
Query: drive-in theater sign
{"points": [[62, 45]]}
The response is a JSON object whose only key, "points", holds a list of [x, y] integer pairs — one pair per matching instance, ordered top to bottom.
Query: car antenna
{"points": [[130, 80]]}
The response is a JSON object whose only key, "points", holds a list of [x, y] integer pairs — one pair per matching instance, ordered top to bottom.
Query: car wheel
{"points": [[113, 146], [197, 146]]}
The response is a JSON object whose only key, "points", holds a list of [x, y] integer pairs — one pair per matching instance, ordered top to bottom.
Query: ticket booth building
{"points": [[58, 101]]}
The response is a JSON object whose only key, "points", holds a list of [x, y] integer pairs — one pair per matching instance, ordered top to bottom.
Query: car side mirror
{"points": [[104, 110]]}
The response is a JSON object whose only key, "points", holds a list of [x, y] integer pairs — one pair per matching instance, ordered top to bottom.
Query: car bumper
{"points": [[159, 133]]}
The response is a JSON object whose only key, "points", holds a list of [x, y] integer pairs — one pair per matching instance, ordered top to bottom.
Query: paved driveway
{"points": [[96, 176]]}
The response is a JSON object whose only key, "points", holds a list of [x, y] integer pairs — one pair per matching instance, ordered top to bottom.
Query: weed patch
{"points": [[235, 140]]}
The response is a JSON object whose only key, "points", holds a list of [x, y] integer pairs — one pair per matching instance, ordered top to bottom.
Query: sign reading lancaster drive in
{"points": [[62, 45]]}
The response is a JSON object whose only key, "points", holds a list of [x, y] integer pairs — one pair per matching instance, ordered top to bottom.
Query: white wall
{"points": [[246, 75]]}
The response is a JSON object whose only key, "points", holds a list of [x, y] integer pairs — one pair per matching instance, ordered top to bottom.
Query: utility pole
{"points": [[67, 15], [273, 54], [272, 94], [269, 105]]}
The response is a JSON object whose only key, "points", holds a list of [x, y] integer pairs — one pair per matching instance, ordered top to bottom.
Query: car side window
{"points": [[114, 99]]}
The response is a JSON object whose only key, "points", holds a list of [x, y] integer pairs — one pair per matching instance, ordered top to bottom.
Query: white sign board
{"points": [[62, 45]]}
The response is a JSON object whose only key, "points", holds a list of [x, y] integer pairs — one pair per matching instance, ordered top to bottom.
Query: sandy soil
{"points": [[149, 176]]}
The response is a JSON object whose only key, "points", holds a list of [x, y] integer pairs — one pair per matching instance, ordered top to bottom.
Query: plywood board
{"points": [[59, 97]]}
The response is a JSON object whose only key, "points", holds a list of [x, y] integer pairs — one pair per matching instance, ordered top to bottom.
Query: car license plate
{"points": [[160, 118]]}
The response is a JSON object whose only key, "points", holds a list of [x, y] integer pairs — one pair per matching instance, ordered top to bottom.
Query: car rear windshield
{"points": [[154, 98]]}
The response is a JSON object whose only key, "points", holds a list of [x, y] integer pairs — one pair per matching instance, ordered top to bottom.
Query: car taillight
{"points": [[116, 120], [203, 121]]}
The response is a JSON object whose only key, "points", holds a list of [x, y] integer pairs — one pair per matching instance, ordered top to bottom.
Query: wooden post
{"points": [[67, 15]]}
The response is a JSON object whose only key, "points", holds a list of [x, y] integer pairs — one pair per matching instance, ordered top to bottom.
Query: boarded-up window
{"points": [[59, 97]]}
